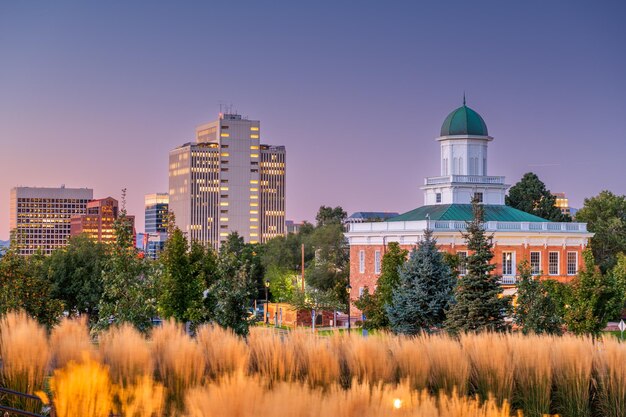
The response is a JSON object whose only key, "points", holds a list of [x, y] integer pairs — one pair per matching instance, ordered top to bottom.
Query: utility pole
{"points": [[302, 265]]}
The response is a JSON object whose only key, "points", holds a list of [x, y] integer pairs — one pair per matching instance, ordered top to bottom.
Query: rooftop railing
{"points": [[467, 179], [455, 225]]}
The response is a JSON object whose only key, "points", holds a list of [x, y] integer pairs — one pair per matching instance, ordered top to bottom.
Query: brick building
{"points": [[99, 220], [553, 249]]}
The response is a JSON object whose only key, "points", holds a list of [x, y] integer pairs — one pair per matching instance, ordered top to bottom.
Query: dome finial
{"points": [[464, 98]]}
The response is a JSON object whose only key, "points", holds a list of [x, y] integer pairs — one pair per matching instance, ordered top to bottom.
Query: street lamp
{"points": [[348, 289], [267, 313]]}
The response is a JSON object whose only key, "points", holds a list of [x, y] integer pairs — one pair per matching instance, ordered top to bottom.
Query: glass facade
{"points": [[156, 211]]}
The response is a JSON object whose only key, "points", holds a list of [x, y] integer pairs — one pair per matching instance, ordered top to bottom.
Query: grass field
{"points": [[217, 373]]}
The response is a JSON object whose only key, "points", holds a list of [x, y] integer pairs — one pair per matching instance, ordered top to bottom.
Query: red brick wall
{"points": [[369, 278]]}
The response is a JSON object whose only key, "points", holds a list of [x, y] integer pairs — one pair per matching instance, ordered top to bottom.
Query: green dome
{"points": [[464, 121]]}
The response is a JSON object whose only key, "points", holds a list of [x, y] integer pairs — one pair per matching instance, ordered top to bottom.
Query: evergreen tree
{"points": [[531, 195], [128, 281], [595, 298], [420, 300], [479, 304], [536, 312]]}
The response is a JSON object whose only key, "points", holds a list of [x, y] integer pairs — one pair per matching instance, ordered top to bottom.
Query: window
{"points": [[438, 197], [478, 197], [361, 261], [377, 262], [462, 262], [507, 263], [535, 263], [553, 263], [572, 263], [361, 291]]}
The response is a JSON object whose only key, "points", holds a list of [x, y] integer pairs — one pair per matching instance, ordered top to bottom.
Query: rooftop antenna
{"points": [[463, 98]]}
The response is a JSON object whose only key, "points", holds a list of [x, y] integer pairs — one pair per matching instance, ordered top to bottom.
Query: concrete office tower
{"points": [[227, 181], [40, 217], [155, 236]]}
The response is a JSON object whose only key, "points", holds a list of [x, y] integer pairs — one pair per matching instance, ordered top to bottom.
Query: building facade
{"points": [[227, 181], [156, 211], [40, 218], [99, 220], [554, 250]]}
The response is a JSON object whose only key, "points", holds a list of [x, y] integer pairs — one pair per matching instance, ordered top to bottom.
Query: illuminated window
{"points": [[254, 128], [224, 135], [254, 136], [254, 147], [225, 154], [254, 155], [254, 181], [224, 188], [254, 189], [254, 197], [224, 203], [254, 204], [254, 211], [223, 219], [254, 219], [254, 226], [223, 234], [254, 234], [254, 241], [535, 263], [553, 263], [572, 263]]}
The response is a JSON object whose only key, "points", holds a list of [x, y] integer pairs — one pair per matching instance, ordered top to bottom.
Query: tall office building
{"points": [[227, 181], [40, 217], [98, 223], [155, 236]]}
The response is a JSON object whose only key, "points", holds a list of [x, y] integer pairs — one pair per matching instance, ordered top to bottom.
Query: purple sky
{"points": [[95, 95]]}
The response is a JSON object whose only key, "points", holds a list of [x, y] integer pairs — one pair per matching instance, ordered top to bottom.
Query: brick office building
{"points": [[553, 249]]}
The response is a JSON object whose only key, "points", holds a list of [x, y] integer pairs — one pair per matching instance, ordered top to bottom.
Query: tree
{"points": [[531, 195], [328, 215], [605, 215], [238, 270], [75, 273], [281, 284], [24, 286], [181, 287], [129, 294], [595, 298], [420, 301], [479, 304], [374, 305], [536, 311]]}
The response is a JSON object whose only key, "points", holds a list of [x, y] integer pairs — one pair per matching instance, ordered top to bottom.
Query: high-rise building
{"points": [[227, 181], [562, 203], [40, 217], [99, 220], [155, 236]]}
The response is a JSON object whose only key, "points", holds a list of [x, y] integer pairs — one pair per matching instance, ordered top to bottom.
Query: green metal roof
{"points": [[464, 121], [463, 212]]}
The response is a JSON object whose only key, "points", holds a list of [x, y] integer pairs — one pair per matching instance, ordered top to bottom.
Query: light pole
{"points": [[348, 289], [266, 312]]}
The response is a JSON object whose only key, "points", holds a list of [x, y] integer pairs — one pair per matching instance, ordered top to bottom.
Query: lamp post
{"points": [[348, 289], [266, 312]]}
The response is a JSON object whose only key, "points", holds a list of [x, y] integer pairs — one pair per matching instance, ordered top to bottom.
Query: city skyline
{"points": [[95, 96]]}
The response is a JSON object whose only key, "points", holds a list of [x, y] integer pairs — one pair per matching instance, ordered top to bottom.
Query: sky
{"points": [[95, 94]]}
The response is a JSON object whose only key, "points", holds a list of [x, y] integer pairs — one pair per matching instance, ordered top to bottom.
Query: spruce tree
{"points": [[419, 302], [479, 304], [536, 311]]}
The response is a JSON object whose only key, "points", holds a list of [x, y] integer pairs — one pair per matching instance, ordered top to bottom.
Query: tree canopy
{"points": [[531, 195], [605, 215]]}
